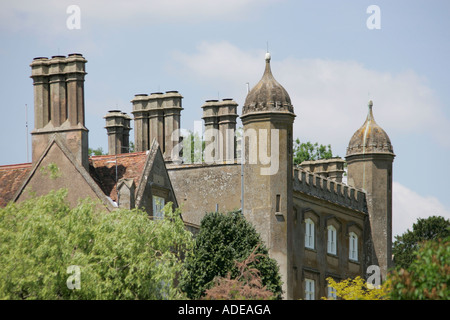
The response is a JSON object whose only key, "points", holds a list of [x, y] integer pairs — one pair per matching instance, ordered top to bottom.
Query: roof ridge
{"points": [[15, 166]]}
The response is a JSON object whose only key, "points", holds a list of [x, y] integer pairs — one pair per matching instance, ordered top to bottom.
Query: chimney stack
{"points": [[59, 104], [157, 116], [118, 129], [220, 130], [329, 168]]}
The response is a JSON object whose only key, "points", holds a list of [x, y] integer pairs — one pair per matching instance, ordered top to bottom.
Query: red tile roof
{"points": [[129, 166], [101, 168], [11, 179]]}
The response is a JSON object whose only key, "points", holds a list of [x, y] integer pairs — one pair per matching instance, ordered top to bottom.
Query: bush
{"points": [[427, 277], [246, 286], [356, 289]]}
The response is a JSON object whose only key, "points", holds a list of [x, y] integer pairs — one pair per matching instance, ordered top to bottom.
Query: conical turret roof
{"points": [[268, 95], [370, 138]]}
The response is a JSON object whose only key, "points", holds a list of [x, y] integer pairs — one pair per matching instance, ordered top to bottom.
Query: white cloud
{"points": [[49, 16], [221, 66], [329, 96], [408, 206]]}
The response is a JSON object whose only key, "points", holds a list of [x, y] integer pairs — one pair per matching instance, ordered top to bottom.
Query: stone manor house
{"points": [[313, 224]]}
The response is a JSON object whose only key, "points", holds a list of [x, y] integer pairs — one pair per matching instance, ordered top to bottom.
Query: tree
{"points": [[132, 147], [192, 147], [307, 151], [96, 152], [223, 239], [405, 246], [119, 255], [427, 276], [356, 289]]}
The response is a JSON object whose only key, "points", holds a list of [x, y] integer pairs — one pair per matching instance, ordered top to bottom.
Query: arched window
{"points": [[309, 233], [353, 246], [331, 247]]}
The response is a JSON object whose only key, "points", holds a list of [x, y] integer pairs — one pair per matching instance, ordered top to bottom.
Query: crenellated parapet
{"points": [[329, 190]]}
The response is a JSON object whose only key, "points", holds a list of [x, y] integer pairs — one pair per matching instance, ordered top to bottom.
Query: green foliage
{"points": [[193, 147], [307, 151], [96, 152], [52, 170], [222, 240], [406, 245], [122, 254], [427, 276], [356, 289]]}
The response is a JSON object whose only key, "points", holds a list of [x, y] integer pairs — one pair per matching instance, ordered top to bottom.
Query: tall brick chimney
{"points": [[59, 104], [157, 116], [118, 129], [220, 129], [329, 168]]}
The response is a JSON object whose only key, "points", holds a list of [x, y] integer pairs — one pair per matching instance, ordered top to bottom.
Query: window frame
{"points": [[158, 205], [310, 233], [332, 240], [353, 247], [310, 289], [331, 292]]}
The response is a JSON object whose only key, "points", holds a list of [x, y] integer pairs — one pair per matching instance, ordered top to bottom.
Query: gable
{"points": [[56, 169], [154, 180]]}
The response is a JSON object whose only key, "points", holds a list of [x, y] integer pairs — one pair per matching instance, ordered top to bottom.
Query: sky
{"points": [[331, 56]]}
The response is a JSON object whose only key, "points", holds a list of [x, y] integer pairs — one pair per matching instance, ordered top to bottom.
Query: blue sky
{"points": [[322, 53]]}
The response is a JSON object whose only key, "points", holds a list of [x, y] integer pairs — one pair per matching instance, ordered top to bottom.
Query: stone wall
{"points": [[201, 188]]}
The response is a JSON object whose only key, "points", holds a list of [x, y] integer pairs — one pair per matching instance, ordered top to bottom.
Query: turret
{"points": [[267, 117], [369, 158]]}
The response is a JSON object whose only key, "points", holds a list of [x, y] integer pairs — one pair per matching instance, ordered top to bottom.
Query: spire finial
{"points": [[268, 57], [370, 114]]}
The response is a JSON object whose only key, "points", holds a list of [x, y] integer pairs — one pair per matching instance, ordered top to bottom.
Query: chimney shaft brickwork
{"points": [[59, 103], [157, 116], [220, 128], [118, 129], [329, 168]]}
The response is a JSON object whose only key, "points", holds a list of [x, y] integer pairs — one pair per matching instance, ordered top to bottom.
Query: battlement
{"points": [[329, 190]]}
